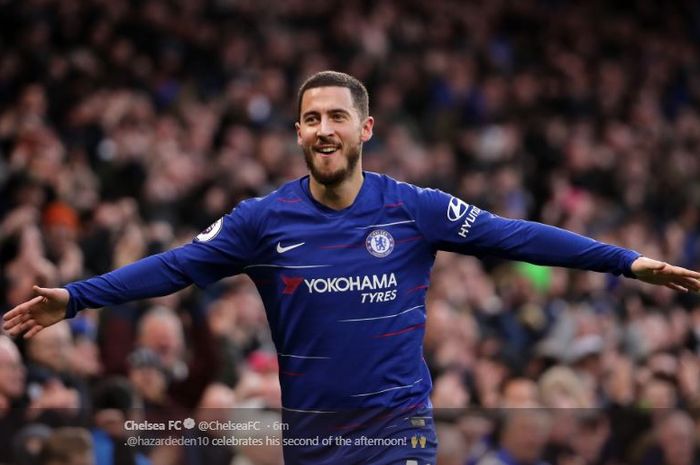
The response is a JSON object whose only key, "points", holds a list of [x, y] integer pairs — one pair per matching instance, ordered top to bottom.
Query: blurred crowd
{"points": [[126, 127]]}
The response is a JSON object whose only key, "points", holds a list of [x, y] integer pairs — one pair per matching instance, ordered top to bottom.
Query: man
{"points": [[342, 261], [12, 374], [12, 396], [113, 404], [520, 438], [677, 441], [68, 446]]}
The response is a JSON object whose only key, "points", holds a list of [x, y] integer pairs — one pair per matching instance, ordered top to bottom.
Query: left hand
{"points": [[661, 273]]}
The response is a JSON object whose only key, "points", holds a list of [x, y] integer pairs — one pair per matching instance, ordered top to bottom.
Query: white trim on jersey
{"points": [[386, 224], [267, 265], [381, 317], [307, 411]]}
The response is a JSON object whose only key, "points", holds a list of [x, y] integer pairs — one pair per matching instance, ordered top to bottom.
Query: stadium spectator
{"points": [[114, 402], [520, 438], [68, 446]]}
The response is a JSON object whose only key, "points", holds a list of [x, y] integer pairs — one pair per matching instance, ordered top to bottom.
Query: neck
{"points": [[340, 195]]}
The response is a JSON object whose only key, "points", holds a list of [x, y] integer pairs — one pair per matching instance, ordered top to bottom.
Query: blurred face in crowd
{"points": [[331, 132], [162, 333], [52, 347], [12, 374], [150, 383], [449, 392], [520, 393], [658, 394], [474, 427], [525, 434], [589, 436], [676, 436], [453, 449]]}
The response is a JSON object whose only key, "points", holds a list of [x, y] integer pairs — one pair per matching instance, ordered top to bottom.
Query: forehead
{"points": [[322, 99]]}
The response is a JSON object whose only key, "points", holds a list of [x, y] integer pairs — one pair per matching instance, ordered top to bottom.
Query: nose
{"points": [[325, 128]]}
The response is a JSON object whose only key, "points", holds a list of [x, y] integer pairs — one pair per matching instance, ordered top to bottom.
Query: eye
{"points": [[310, 119]]}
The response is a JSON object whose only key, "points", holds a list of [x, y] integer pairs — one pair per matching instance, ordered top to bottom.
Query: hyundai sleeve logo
{"points": [[456, 209]]}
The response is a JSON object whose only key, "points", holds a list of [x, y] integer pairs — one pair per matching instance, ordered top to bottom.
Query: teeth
{"points": [[327, 149]]}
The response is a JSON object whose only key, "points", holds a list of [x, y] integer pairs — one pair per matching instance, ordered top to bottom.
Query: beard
{"points": [[333, 178]]}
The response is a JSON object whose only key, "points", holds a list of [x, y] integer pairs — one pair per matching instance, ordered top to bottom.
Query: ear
{"points": [[297, 126], [367, 126]]}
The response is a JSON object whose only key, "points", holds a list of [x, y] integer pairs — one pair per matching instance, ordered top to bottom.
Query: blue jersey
{"points": [[344, 291]]}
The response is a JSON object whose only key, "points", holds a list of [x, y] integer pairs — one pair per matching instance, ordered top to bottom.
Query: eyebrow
{"points": [[331, 111]]}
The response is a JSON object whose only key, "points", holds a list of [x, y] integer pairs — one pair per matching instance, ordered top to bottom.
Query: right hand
{"points": [[30, 317]]}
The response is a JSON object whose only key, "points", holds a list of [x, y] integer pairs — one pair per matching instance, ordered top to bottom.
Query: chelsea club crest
{"points": [[379, 243]]}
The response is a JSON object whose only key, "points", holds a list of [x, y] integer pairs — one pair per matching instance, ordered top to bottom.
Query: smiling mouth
{"points": [[326, 150]]}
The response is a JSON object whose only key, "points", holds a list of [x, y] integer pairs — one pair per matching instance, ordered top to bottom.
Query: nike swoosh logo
{"points": [[281, 249]]}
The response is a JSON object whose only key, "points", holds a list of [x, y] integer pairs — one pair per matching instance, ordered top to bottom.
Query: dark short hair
{"points": [[360, 97]]}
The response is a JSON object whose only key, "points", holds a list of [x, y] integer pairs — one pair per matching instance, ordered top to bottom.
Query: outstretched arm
{"points": [[453, 225], [546, 245], [222, 250], [149, 277]]}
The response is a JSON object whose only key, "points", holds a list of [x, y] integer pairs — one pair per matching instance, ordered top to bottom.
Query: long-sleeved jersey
{"points": [[344, 291]]}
